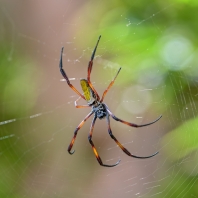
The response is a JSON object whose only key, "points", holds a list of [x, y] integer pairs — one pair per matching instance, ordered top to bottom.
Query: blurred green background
{"points": [[154, 42]]}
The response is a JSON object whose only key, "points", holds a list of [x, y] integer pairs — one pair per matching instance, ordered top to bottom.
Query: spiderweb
{"points": [[155, 44]]}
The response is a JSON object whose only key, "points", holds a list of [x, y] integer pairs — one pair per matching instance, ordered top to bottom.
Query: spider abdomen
{"points": [[87, 92], [100, 111]]}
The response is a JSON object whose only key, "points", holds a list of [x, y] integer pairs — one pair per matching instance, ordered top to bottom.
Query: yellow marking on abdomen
{"points": [[86, 89]]}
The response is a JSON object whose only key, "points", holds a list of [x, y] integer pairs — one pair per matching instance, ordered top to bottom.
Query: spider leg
{"points": [[91, 60], [90, 68], [65, 75], [110, 85], [80, 106], [129, 123], [75, 133], [93, 147], [122, 147]]}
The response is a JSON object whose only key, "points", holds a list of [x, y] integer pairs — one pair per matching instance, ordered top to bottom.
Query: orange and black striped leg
{"points": [[91, 61], [90, 68], [65, 75], [110, 85], [80, 106], [128, 123], [75, 133], [93, 147], [122, 147]]}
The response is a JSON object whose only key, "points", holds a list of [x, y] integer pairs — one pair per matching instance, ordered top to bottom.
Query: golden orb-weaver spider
{"points": [[99, 109]]}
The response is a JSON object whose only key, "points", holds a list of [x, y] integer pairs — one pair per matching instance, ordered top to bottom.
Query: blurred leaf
{"points": [[18, 84], [182, 140], [178, 185]]}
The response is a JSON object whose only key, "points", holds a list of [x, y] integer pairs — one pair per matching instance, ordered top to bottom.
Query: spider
{"points": [[99, 109]]}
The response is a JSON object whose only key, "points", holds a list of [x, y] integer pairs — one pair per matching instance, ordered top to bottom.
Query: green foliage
{"points": [[18, 84], [183, 140]]}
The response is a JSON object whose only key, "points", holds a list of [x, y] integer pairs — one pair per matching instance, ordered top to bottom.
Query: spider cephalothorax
{"points": [[99, 109]]}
